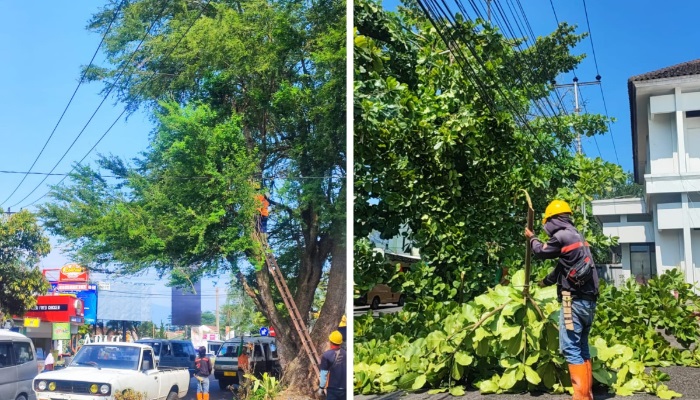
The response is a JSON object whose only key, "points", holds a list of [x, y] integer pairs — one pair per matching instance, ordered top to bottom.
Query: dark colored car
{"points": [[172, 353]]}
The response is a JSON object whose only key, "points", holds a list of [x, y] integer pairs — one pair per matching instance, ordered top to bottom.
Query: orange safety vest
{"points": [[263, 205]]}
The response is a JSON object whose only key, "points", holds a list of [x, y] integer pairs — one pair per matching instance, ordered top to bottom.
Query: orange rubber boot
{"points": [[589, 367], [579, 381], [200, 396], [206, 396]]}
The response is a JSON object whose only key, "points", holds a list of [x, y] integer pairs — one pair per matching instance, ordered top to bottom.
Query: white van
{"points": [[264, 358], [18, 366]]}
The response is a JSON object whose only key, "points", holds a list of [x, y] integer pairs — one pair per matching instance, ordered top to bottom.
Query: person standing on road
{"points": [[577, 296], [49, 361], [333, 362], [243, 363], [203, 369]]}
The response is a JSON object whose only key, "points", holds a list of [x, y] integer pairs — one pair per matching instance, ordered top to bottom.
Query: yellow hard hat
{"points": [[556, 207], [343, 322], [335, 337]]}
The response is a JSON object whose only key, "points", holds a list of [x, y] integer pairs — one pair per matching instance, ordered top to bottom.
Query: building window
{"points": [[692, 114], [642, 261]]}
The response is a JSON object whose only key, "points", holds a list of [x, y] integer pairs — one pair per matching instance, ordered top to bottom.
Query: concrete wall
{"points": [[663, 151], [669, 250]]}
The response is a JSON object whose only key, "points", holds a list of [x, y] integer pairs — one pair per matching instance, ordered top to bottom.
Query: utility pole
{"points": [[488, 9], [579, 147], [218, 331]]}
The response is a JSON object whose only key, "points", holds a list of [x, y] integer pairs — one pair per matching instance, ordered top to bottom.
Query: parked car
{"points": [[380, 294], [172, 353], [264, 358], [18, 365], [101, 370]]}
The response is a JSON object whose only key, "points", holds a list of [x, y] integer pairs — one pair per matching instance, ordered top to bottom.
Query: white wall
{"points": [[663, 141], [692, 144], [669, 216], [630, 232], [669, 248], [695, 270]]}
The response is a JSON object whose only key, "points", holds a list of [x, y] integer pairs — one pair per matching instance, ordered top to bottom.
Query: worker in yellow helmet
{"points": [[577, 290], [343, 326], [333, 366]]}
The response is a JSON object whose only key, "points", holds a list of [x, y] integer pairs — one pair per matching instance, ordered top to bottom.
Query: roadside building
{"points": [[660, 230]]}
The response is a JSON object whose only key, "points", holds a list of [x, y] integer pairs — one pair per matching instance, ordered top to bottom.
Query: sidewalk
{"points": [[684, 380]]}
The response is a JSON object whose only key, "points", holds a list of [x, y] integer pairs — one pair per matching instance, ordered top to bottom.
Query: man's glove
{"points": [[321, 391]]}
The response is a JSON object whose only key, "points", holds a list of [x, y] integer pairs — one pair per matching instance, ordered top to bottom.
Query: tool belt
{"points": [[566, 309]]}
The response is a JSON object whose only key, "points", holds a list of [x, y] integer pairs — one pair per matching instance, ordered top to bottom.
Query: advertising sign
{"points": [[73, 273], [85, 292], [188, 305], [31, 322], [60, 331]]}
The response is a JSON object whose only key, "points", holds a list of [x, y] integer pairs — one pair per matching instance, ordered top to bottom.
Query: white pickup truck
{"points": [[100, 370]]}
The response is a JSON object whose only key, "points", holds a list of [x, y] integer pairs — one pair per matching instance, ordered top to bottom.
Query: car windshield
{"points": [[228, 350], [107, 356]]}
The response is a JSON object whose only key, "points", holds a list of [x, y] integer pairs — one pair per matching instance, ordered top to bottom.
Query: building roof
{"points": [[674, 71]]}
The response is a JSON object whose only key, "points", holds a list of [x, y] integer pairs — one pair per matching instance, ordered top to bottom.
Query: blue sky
{"points": [[629, 38], [43, 46]]}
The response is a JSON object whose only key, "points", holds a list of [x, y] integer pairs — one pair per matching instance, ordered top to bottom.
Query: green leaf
{"points": [[463, 358], [532, 376], [508, 379], [419, 383], [457, 391]]}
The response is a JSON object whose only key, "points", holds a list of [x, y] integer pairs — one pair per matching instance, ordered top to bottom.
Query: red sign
{"points": [[73, 273], [57, 309], [272, 331]]}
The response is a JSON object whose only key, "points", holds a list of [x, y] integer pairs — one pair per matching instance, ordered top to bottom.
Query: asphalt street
{"points": [[383, 309], [684, 380]]}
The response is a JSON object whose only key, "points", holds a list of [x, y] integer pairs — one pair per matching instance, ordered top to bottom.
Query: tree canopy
{"points": [[242, 93], [446, 149], [22, 245]]}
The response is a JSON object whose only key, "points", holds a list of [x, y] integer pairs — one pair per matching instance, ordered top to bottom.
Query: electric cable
{"points": [[80, 82], [106, 96]]}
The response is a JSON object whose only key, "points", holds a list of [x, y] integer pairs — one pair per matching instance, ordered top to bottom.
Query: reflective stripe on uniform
{"points": [[572, 247]]}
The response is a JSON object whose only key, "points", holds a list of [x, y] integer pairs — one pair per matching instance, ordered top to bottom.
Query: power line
{"points": [[80, 82], [114, 83], [602, 93], [125, 108]]}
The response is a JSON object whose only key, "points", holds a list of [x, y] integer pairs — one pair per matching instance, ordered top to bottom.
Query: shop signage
{"points": [[73, 273], [50, 307], [31, 322], [61, 331]]}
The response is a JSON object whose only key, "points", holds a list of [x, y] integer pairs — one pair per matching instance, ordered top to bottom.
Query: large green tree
{"points": [[241, 92], [447, 137], [22, 245]]}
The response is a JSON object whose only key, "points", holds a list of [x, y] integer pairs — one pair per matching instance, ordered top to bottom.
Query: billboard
{"points": [[73, 273], [85, 292], [125, 301], [187, 306], [60, 331]]}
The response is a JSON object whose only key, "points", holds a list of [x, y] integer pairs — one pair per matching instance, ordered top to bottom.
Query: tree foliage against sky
{"points": [[241, 92], [443, 149], [22, 245]]}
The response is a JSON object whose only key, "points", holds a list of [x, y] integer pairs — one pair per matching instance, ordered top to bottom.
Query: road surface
{"points": [[383, 309]]}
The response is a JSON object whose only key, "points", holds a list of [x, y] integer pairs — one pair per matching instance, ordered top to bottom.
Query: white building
{"points": [[661, 231]]}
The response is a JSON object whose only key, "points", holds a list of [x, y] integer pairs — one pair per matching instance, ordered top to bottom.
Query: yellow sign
{"points": [[31, 322]]}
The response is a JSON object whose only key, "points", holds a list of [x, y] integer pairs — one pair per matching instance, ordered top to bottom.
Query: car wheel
{"points": [[402, 300], [375, 303], [172, 396], [21, 397]]}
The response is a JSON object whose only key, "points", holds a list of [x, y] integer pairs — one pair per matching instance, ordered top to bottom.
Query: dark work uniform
{"points": [[567, 244], [203, 369], [335, 390]]}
